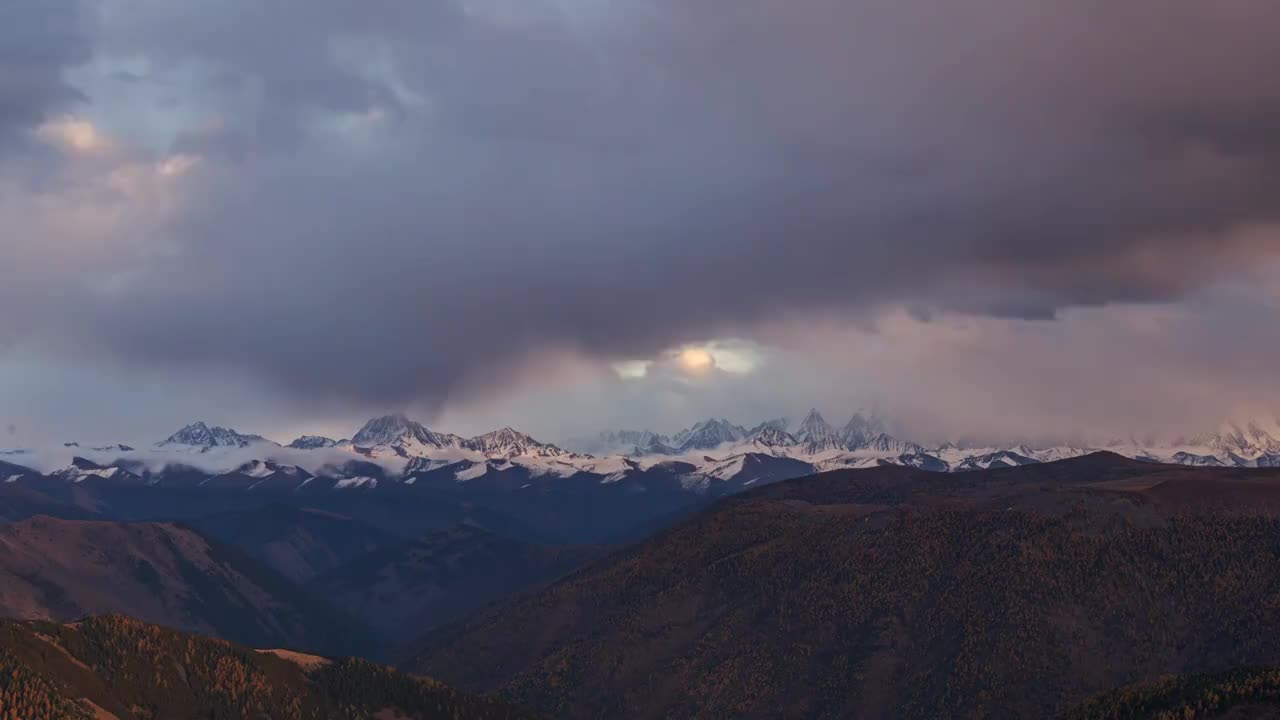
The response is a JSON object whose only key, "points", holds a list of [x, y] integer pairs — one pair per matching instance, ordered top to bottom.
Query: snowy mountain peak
{"points": [[814, 422], [781, 423], [861, 429], [386, 430], [710, 434], [200, 435], [817, 435], [406, 437], [772, 437], [1252, 438], [1246, 439], [313, 442], [509, 443], [885, 443], [657, 445], [1186, 458], [261, 469]]}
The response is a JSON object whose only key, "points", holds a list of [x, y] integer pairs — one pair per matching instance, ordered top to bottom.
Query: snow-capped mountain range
{"points": [[865, 440], [714, 454]]}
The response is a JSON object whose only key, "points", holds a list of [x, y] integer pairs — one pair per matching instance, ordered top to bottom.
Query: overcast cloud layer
{"points": [[477, 208]]}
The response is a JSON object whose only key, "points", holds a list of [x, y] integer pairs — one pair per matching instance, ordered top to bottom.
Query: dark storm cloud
{"points": [[39, 40], [298, 57], [409, 200]]}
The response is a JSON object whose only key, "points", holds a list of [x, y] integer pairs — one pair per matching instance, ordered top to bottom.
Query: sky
{"points": [[984, 217]]}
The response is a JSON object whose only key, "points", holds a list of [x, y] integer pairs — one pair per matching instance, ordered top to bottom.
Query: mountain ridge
{"points": [[201, 436], [710, 458], [164, 572], [897, 593]]}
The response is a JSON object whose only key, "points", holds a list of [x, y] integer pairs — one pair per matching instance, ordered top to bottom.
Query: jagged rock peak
{"points": [[814, 422], [781, 423], [387, 429], [861, 429], [398, 431], [710, 434], [200, 435], [817, 435], [773, 437], [313, 442], [508, 442], [657, 445]]}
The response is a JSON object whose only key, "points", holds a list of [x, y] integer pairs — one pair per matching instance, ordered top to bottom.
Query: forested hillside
{"points": [[900, 594], [113, 667]]}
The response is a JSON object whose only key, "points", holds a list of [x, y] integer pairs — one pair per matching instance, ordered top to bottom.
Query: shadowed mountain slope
{"points": [[298, 543], [164, 573], [438, 578], [890, 592]]}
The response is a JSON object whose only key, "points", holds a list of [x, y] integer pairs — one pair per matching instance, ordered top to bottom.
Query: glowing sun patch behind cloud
{"points": [[695, 360], [692, 362]]}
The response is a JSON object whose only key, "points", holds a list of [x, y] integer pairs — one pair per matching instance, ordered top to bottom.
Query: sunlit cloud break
{"points": [[720, 208]]}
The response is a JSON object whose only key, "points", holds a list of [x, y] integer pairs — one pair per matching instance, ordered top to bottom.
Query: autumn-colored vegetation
{"points": [[1003, 594], [137, 671], [1244, 693], [25, 695]]}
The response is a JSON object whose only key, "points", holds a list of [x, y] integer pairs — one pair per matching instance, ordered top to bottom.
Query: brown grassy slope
{"points": [[163, 573]]}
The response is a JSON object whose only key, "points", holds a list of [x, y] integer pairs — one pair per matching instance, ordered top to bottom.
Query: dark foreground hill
{"points": [[164, 573], [893, 593], [117, 668], [1244, 694]]}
